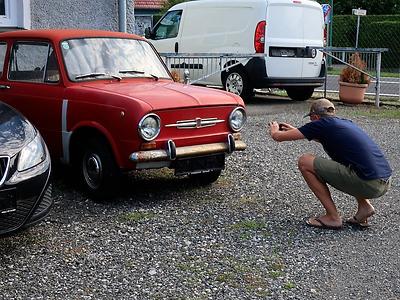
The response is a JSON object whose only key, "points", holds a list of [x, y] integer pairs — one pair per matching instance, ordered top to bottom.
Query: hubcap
{"points": [[234, 83], [92, 170]]}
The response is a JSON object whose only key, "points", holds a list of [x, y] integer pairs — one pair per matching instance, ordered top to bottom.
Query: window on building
{"points": [[2, 8], [15, 14]]}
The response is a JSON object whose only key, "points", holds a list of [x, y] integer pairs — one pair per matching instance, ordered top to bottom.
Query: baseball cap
{"points": [[322, 107]]}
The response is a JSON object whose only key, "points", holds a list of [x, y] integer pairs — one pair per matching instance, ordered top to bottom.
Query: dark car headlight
{"points": [[237, 119], [149, 127], [32, 154]]}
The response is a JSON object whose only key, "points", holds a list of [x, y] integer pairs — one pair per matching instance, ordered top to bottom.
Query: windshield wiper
{"points": [[131, 71], [137, 72], [88, 75]]}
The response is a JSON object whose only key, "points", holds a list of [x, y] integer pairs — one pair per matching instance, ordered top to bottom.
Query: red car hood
{"points": [[166, 94]]}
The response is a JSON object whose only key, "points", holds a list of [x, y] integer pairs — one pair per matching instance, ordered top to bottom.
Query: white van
{"points": [[285, 31]]}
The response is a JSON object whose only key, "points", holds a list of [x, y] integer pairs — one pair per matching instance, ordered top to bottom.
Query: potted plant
{"points": [[352, 82]]}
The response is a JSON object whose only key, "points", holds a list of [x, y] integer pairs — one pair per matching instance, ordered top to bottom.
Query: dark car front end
{"points": [[25, 166]]}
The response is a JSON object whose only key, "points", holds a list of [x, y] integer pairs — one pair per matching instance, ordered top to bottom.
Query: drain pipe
{"points": [[122, 15]]}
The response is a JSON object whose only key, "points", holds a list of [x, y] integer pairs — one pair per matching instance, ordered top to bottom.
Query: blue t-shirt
{"points": [[349, 145]]}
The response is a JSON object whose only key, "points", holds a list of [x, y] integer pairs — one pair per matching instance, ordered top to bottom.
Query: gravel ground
{"points": [[244, 237]]}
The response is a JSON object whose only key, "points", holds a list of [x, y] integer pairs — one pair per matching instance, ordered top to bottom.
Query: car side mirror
{"points": [[148, 33]]}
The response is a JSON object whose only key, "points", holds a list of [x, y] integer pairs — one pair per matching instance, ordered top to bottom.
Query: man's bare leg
{"points": [[320, 190], [364, 211]]}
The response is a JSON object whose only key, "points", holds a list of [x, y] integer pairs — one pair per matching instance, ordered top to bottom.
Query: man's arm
{"points": [[288, 132]]}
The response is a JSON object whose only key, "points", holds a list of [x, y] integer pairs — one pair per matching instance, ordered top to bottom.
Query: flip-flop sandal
{"points": [[356, 223], [322, 225]]}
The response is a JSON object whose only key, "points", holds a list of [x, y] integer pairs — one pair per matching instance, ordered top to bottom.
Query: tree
{"points": [[169, 3], [373, 7]]}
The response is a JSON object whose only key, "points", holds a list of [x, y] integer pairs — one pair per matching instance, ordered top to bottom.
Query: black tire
{"points": [[236, 81], [300, 93], [98, 171], [205, 178]]}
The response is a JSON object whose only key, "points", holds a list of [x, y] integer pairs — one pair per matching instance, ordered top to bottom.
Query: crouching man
{"points": [[357, 165]]}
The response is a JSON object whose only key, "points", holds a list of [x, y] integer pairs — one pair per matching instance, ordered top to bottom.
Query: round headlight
{"points": [[237, 119], [149, 127]]}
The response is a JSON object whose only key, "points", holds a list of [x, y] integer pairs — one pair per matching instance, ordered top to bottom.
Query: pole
{"points": [[122, 15], [358, 30], [330, 31], [378, 78]]}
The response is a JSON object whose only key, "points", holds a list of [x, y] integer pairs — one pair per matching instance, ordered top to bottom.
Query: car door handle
{"points": [[4, 87]]}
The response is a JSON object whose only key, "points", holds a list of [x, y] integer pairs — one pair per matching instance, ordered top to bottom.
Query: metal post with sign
{"points": [[327, 10], [358, 12]]}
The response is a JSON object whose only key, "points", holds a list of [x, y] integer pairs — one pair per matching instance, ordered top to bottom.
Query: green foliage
{"points": [[169, 3], [373, 7], [375, 32]]}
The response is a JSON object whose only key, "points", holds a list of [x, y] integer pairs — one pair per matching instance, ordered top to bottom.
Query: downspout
{"points": [[122, 15]]}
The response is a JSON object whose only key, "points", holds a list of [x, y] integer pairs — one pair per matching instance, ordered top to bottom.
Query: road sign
{"points": [[326, 9], [359, 12]]}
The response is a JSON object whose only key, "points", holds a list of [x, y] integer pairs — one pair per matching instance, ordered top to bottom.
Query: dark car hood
{"points": [[166, 94], [15, 131]]}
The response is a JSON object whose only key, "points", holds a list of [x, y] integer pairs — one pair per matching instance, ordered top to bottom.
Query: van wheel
{"points": [[236, 82], [300, 93], [98, 170], [205, 178]]}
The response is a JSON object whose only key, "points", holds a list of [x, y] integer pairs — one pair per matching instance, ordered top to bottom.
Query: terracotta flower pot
{"points": [[352, 93]]}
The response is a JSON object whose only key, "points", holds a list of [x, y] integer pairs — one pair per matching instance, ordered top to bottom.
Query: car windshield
{"points": [[99, 58]]}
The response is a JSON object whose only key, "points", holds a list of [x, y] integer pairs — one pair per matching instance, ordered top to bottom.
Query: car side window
{"points": [[168, 27], [3, 49], [33, 62]]}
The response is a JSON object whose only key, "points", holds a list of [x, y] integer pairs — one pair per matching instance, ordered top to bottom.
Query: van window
{"points": [[168, 26], [3, 49], [34, 62]]}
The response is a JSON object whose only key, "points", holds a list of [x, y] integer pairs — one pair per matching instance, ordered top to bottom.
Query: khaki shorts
{"points": [[346, 180]]}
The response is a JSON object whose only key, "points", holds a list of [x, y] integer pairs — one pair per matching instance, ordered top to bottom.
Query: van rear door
{"points": [[292, 26]]}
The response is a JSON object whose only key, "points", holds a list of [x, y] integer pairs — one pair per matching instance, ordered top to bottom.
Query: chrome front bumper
{"points": [[172, 152]]}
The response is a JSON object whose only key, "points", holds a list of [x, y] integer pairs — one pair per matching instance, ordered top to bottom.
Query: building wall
{"points": [[85, 14]]}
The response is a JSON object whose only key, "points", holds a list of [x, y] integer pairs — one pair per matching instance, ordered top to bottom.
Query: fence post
{"points": [[378, 78]]}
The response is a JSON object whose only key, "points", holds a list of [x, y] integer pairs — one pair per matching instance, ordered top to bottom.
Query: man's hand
{"points": [[285, 127], [273, 128], [284, 132]]}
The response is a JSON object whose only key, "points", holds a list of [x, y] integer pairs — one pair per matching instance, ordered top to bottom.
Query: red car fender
{"points": [[104, 132]]}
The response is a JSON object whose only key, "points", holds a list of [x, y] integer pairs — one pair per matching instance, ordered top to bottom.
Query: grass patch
{"points": [[337, 71], [379, 113], [136, 216], [251, 225], [275, 274], [289, 286]]}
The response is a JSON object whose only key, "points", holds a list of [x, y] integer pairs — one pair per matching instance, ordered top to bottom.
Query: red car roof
{"points": [[63, 34]]}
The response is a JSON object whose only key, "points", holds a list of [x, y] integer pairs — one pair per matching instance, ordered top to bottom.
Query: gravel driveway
{"points": [[244, 237]]}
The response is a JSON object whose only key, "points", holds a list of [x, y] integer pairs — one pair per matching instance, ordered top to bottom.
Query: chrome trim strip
{"points": [[195, 123], [65, 135], [184, 152], [6, 169]]}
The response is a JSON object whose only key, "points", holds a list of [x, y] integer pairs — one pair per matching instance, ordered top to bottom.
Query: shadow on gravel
{"points": [[141, 187]]}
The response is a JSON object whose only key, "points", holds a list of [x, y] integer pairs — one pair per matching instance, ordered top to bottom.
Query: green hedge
{"points": [[375, 32]]}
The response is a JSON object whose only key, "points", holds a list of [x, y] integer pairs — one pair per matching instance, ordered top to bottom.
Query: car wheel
{"points": [[236, 82], [300, 93], [98, 170], [205, 178]]}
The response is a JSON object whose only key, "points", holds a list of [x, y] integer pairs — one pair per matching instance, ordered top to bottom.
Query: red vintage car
{"points": [[106, 104]]}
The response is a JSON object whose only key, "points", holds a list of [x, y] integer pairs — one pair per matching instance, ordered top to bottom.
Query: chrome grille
{"points": [[195, 123], [4, 166]]}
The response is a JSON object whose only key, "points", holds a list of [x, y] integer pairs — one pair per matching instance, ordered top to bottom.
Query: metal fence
{"points": [[372, 31], [205, 68]]}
